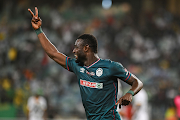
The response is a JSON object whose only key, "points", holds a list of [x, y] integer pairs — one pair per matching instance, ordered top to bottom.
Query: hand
{"points": [[36, 21], [125, 100]]}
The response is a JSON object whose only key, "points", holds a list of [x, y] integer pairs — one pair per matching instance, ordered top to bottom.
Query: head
{"points": [[84, 44], [38, 93]]}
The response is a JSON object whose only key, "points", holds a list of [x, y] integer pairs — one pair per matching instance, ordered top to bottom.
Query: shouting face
{"points": [[79, 52]]}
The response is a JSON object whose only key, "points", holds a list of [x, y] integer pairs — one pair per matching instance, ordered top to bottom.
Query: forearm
{"points": [[46, 44], [136, 84]]}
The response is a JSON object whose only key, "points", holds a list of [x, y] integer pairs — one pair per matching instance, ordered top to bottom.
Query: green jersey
{"points": [[98, 87]]}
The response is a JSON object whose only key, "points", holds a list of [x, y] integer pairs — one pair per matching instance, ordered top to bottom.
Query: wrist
{"points": [[38, 31], [131, 92]]}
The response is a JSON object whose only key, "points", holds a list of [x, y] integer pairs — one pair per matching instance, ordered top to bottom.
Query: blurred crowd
{"points": [[146, 43]]}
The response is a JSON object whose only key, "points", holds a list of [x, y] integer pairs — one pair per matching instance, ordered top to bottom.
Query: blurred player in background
{"points": [[97, 78], [177, 104], [36, 106], [140, 106]]}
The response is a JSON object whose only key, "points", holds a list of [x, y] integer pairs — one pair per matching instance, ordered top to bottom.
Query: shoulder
{"points": [[70, 59], [73, 61], [106, 61], [111, 63], [114, 63], [42, 98], [30, 99]]}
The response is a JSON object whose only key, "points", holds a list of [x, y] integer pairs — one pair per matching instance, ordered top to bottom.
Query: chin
{"points": [[80, 59], [77, 60]]}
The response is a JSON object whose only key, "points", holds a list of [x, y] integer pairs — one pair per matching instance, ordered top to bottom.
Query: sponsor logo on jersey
{"points": [[82, 70], [126, 71], [99, 72], [90, 73], [91, 84]]}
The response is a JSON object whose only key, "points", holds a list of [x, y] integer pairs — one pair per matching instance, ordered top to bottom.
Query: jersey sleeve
{"points": [[70, 64], [117, 70]]}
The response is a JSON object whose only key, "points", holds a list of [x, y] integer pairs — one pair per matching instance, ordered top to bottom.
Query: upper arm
{"points": [[59, 58], [117, 70], [131, 80]]}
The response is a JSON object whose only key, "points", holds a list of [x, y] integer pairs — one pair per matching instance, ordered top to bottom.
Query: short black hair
{"points": [[90, 40]]}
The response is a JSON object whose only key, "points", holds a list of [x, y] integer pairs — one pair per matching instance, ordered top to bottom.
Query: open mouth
{"points": [[76, 56]]}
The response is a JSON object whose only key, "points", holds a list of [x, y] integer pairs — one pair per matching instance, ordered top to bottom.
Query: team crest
{"points": [[99, 72]]}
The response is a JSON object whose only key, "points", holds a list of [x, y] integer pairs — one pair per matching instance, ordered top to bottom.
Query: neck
{"points": [[91, 58]]}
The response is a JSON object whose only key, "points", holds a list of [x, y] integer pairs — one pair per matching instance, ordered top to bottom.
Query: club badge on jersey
{"points": [[99, 72]]}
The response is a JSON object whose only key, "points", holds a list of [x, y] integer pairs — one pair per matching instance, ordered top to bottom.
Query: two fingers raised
{"points": [[36, 13]]}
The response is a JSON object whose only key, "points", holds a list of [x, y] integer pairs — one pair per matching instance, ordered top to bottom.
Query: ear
{"points": [[86, 47]]}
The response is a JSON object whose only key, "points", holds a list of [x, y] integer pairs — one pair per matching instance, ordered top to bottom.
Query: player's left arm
{"points": [[136, 86]]}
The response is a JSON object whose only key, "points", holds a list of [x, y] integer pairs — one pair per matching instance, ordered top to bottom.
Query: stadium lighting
{"points": [[106, 4]]}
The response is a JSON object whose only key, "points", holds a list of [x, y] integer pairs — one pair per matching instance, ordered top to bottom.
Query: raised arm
{"points": [[49, 48], [136, 86]]}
